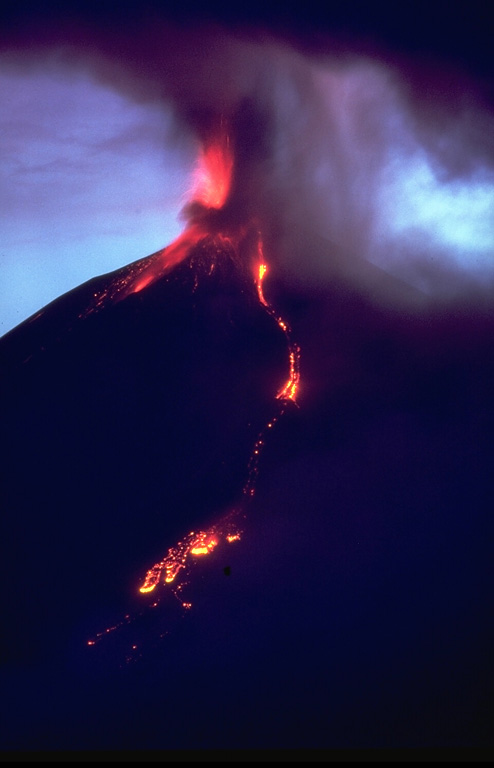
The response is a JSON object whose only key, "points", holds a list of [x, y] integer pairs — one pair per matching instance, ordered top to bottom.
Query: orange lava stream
{"points": [[212, 186], [143, 273], [289, 390], [205, 541], [193, 545]]}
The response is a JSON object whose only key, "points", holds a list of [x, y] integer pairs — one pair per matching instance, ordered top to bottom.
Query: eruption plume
{"points": [[355, 164]]}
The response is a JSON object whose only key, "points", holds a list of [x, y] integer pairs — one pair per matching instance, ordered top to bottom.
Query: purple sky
{"points": [[88, 184]]}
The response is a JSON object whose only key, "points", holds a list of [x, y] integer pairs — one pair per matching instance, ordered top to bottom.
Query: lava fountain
{"points": [[212, 184]]}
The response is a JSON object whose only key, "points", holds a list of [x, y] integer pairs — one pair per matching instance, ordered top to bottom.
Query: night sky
{"points": [[355, 611]]}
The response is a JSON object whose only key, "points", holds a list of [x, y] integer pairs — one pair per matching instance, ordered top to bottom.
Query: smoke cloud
{"points": [[357, 166]]}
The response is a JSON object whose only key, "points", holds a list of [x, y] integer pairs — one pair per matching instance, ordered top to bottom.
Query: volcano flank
{"points": [[127, 428], [365, 567]]}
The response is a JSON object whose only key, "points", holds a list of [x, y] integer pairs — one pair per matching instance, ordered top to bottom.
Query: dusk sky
{"points": [[88, 184], [247, 486]]}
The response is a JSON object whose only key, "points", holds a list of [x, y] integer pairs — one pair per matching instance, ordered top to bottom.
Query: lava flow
{"points": [[213, 180]]}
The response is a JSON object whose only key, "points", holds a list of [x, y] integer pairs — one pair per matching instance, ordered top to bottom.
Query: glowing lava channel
{"points": [[212, 184], [290, 388], [204, 542]]}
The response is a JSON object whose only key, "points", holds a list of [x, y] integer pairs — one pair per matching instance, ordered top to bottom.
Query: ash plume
{"points": [[357, 164]]}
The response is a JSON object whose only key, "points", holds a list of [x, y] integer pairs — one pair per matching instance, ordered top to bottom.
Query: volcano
{"points": [[128, 427], [247, 479], [359, 589]]}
